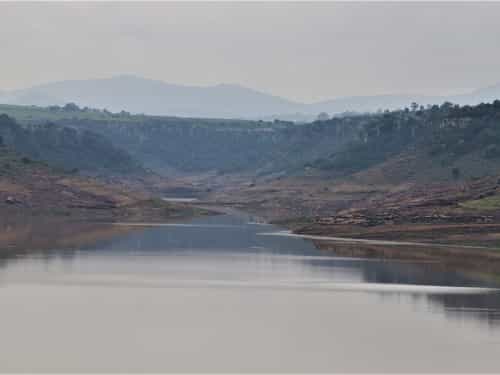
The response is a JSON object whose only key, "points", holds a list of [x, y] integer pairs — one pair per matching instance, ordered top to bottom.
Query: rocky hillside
{"points": [[26, 184], [29, 189]]}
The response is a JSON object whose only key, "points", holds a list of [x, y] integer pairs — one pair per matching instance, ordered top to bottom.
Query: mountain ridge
{"points": [[226, 100]]}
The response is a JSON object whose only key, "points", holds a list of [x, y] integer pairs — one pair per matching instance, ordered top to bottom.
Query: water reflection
{"points": [[220, 251], [484, 308]]}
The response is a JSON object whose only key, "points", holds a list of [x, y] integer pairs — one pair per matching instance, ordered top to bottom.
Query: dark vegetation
{"points": [[449, 136], [455, 141], [167, 144], [197, 145], [66, 148], [12, 163]]}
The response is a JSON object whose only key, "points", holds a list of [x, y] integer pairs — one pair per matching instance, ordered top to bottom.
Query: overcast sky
{"points": [[303, 51]]}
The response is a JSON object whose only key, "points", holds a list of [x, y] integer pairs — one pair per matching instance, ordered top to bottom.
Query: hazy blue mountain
{"points": [[139, 95], [482, 95], [370, 103], [374, 103]]}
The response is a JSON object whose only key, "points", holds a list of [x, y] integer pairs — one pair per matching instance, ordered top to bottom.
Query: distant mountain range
{"points": [[140, 95]]}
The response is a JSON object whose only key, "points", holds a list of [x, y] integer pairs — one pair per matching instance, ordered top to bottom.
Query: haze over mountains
{"points": [[139, 95]]}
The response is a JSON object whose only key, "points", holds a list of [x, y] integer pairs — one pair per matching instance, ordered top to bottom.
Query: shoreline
{"points": [[24, 230], [433, 243], [472, 247]]}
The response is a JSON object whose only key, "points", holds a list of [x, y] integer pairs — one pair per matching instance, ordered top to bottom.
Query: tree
{"points": [[446, 106], [71, 107], [323, 116]]}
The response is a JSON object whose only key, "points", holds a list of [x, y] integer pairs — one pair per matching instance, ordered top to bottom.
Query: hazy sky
{"points": [[303, 51]]}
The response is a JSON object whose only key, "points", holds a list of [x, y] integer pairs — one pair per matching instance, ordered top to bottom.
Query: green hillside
{"points": [[443, 142], [446, 142], [198, 145], [66, 148]]}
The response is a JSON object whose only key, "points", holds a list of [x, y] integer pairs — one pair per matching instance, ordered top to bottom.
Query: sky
{"points": [[302, 51]]}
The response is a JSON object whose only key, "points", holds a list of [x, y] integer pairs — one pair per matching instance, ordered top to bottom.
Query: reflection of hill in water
{"points": [[27, 235], [228, 247], [481, 307]]}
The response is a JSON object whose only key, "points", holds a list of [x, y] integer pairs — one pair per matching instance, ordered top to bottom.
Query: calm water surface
{"points": [[218, 295]]}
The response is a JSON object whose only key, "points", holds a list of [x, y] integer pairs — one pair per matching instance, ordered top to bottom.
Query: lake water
{"points": [[219, 295]]}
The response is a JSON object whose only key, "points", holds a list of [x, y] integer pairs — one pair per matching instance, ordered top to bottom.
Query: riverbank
{"points": [[33, 189], [42, 208], [462, 216], [27, 231], [467, 247], [471, 257]]}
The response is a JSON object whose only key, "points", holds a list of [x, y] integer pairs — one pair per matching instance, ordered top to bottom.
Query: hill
{"points": [[139, 95], [376, 103], [446, 142], [172, 145], [67, 148], [431, 165], [426, 166], [31, 185], [30, 189]]}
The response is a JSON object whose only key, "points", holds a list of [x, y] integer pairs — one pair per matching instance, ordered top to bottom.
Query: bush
{"points": [[71, 107]]}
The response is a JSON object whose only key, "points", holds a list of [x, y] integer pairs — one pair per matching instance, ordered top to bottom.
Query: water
{"points": [[180, 200], [219, 295]]}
